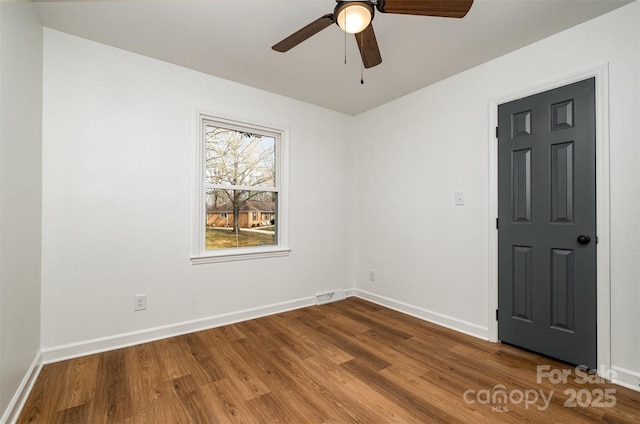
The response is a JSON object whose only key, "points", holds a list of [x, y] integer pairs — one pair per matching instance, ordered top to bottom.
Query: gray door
{"points": [[547, 223]]}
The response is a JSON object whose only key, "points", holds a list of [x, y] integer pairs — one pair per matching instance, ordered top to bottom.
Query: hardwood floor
{"points": [[344, 362]]}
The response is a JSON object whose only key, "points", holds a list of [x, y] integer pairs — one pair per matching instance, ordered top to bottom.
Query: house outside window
{"points": [[240, 176]]}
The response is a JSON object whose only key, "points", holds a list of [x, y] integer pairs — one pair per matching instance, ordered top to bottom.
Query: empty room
{"points": [[310, 211]]}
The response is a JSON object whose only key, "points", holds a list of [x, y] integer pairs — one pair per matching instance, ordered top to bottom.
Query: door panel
{"points": [[521, 177], [562, 182], [546, 189], [522, 283], [562, 288]]}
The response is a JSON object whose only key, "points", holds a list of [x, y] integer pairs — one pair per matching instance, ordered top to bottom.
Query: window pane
{"points": [[239, 158], [240, 218]]}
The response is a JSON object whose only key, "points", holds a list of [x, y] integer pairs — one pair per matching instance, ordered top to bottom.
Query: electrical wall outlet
{"points": [[372, 275], [140, 302]]}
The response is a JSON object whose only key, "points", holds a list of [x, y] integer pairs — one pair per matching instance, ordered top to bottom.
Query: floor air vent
{"points": [[330, 296]]}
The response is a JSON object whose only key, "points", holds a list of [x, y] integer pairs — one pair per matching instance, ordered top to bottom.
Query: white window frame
{"points": [[199, 255]]}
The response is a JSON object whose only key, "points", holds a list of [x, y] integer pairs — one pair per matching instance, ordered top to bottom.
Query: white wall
{"points": [[415, 152], [117, 172], [20, 198]]}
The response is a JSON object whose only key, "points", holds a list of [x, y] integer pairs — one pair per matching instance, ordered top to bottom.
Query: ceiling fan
{"points": [[355, 17]]}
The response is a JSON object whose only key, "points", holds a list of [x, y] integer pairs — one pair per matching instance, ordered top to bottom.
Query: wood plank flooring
{"points": [[345, 362]]}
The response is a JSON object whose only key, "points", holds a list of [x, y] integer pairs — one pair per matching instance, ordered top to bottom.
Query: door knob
{"points": [[582, 239]]}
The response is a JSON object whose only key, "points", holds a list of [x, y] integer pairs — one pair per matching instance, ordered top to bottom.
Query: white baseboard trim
{"points": [[351, 292], [456, 324], [103, 344], [626, 378], [14, 408]]}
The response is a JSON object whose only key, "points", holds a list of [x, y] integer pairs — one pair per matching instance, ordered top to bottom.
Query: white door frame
{"points": [[603, 249]]}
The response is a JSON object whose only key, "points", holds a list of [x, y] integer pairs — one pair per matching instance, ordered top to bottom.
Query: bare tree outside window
{"points": [[240, 187]]}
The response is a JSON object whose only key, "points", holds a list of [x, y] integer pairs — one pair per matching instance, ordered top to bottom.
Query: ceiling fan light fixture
{"points": [[354, 16]]}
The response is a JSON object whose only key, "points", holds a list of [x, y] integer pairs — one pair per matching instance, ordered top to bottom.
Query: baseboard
{"points": [[350, 292], [456, 324], [88, 347], [626, 378], [12, 412]]}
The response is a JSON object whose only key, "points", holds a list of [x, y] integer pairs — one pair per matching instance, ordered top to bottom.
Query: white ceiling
{"points": [[232, 39]]}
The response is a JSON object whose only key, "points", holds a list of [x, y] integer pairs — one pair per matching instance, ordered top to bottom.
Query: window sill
{"points": [[240, 256]]}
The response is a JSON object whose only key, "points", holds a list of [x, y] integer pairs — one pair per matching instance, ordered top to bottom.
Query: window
{"points": [[240, 175]]}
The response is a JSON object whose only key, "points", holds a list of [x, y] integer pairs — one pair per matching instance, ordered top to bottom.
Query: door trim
{"points": [[603, 273]]}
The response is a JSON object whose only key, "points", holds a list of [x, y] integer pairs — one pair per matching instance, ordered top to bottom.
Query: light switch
{"points": [[459, 198]]}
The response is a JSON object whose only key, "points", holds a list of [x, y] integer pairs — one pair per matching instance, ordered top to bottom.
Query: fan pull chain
{"points": [[345, 36], [345, 47], [362, 61]]}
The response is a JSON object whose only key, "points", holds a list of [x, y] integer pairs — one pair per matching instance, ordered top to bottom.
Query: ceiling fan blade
{"points": [[441, 8], [304, 33], [368, 46]]}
